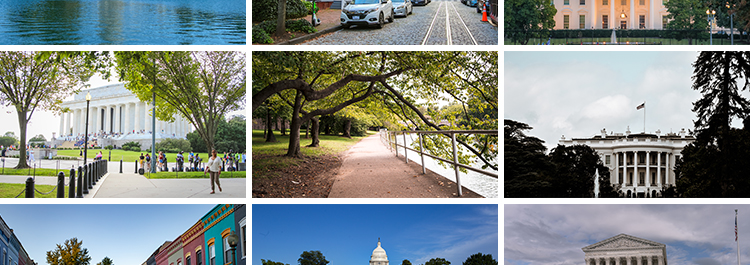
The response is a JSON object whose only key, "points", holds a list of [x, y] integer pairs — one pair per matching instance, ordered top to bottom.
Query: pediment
{"points": [[623, 241]]}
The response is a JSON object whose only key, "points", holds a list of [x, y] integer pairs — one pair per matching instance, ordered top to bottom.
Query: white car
{"points": [[402, 8], [366, 12]]}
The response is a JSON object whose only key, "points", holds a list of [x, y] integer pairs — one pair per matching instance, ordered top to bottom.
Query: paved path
{"points": [[370, 170]]}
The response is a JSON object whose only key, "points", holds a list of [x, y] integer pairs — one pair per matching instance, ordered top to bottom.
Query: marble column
{"points": [[593, 14], [651, 14], [612, 18], [633, 24], [118, 114], [138, 117], [128, 118], [92, 120], [75, 122], [62, 124], [617, 168], [625, 168], [648, 169], [658, 170], [636, 181]]}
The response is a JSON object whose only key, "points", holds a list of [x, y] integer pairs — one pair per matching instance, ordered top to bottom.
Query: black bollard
{"points": [[120, 166], [136, 166], [86, 173], [91, 176], [94, 176], [61, 185], [30, 187], [72, 187], [79, 191]]}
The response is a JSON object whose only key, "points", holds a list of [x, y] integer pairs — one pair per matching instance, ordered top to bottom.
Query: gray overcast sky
{"points": [[576, 94], [694, 234]]}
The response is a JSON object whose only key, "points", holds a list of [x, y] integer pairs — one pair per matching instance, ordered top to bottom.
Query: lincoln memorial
{"points": [[116, 116], [625, 249]]}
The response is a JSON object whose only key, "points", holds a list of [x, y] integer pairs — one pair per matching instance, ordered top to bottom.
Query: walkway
{"points": [[370, 170]]}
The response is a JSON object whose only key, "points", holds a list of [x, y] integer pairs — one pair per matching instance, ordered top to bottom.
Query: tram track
{"points": [[448, 29]]}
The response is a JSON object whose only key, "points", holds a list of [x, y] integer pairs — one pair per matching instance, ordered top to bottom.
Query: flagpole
{"points": [[644, 116], [737, 238]]}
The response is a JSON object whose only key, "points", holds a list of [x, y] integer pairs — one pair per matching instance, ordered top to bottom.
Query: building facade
{"points": [[610, 14], [116, 116], [642, 164], [218, 224], [241, 228], [11, 249], [624, 249], [378, 256]]}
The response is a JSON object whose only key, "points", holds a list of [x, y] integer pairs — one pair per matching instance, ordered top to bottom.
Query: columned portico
{"points": [[609, 14], [626, 250]]}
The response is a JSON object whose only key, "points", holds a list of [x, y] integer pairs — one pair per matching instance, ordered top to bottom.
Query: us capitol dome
{"points": [[378, 256]]}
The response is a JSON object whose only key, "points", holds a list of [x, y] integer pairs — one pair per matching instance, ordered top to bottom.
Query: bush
{"points": [[309, 5], [268, 9], [300, 25], [269, 26], [261, 36], [170, 145], [132, 146], [109, 147]]}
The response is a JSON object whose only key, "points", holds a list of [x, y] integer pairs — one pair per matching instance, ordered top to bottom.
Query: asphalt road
{"points": [[442, 22]]}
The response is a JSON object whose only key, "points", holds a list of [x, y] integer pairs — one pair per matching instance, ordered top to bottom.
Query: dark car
{"points": [[420, 2]]}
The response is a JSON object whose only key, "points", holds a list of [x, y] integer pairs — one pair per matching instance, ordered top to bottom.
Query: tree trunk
{"points": [[281, 19], [22, 123], [327, 125], [283, 127], [294, 128], [348, 128], [307, 130], [315, 132], [270, 138]]}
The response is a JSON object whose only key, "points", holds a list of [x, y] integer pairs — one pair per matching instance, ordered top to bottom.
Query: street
{"points": [[442, 22]]}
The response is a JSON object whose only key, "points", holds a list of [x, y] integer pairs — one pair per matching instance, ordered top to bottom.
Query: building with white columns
{"points": [[609, 14], [116, 116], [639, 164], [625, 249]]}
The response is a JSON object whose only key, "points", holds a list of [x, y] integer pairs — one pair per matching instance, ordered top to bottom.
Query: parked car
{"points": [[420, 2], [402, 8], [366, 12]]}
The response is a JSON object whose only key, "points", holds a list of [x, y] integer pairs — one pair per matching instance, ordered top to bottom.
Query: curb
{"points": [[301, 39]]}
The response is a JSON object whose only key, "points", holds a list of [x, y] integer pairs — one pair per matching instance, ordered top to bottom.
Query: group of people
{"points": [[213, 167]]}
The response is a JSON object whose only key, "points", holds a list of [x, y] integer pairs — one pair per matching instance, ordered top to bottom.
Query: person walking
{"points": [[142, 158], [148, 163], [213, 167]]}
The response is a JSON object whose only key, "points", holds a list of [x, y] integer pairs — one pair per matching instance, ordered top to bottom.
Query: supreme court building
{"points": [[610, 14], [116, 116], [640, 164], [625, 249]]}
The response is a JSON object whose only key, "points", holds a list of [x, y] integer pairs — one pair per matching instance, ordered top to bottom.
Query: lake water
{"points": [[122, 22], [481, 184]]}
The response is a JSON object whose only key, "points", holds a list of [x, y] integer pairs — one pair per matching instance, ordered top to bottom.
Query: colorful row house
{"points": [[208, 241], [11, 250]]}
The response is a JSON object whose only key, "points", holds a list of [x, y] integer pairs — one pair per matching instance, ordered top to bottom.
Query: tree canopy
{"points": [[688, 17], [528, 18], [202, 87], [69, 253], [314, 257], [480, 259], [106, 261], [437, 261]]}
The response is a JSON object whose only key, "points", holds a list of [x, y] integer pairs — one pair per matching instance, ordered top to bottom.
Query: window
{"points": [[566, 2], [583, 2], [605, 2], [623, 2], [642, 2], [566, 21], [582, 21], [605, 21], [642, 21], [664, 22], [623, 24], [606, 159], [642, 159], [630, 178], [653, 178], [642, 179], [620, 180], [243, 239], [227, 251], [212, 255], [198, 257], [187, 261], [179, 262]]}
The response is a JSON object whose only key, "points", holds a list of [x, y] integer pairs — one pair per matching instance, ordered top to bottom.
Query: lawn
{"points": [[272, 153], [126, 156], [30, 171], [194, 175], [8, 190]]}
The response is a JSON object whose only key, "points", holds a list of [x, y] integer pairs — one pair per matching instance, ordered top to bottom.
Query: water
{"points": [[122, 22], [481, 184]]}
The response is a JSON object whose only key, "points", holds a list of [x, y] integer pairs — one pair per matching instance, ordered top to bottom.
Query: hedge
{"points": [[268, 9]]}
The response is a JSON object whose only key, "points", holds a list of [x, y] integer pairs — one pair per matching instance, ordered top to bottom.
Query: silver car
{"points": [[402, 8], [366, 12]]}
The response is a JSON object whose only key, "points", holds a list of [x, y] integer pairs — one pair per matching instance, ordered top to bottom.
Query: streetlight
{"points": [[710, 16], [731, 23], [86, 133], [233, 239]]}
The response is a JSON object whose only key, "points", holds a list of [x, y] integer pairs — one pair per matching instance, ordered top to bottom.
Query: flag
{"points": [[643, 105]]}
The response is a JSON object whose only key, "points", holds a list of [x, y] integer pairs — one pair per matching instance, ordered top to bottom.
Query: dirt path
{"points": [[370, 170]]}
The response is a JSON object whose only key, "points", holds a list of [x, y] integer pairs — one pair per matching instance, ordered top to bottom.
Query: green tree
{"points": [[688, 17], [528, 18], [31, 81], [202, 87], [231, 134], [38, 138], [196, 142], [172, 145], [526, 164], [574, 169], [70, 253], [312, 258], [480, 259], [106, 261], [438, 261], [269, 262], [406, 262]]}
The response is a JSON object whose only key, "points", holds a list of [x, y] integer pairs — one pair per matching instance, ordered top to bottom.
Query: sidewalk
{"points": [[330, 21], [370, 170], [129, 185]]}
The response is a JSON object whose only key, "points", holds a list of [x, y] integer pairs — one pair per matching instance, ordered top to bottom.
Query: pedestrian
{"points": [[98, 156], [142, 158], [148, 163], [213, 167]]}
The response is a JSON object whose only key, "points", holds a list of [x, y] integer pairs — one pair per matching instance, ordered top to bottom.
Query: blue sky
{"points": [[576, 94], [127, 234], [347, 234], [700, 234]]}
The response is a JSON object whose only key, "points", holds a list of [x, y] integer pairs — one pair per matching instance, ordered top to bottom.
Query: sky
{"points": [[577, 94], [127, 234], [347, 234], [700, 234]]}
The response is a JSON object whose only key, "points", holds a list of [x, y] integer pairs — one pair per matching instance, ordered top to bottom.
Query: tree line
{"points": [[315, 257]]}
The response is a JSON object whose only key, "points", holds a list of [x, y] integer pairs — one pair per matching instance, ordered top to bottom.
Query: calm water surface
{"points": [[122, 22]]}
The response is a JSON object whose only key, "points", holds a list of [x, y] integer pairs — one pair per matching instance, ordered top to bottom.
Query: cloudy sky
{"points": [[576, 94], [347, 234], [694, 234]]}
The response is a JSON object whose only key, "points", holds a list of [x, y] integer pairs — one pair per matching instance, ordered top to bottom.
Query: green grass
{"points": [[273, 152], [126, 156], [29, 172], [194, 175], [8, 190]]}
